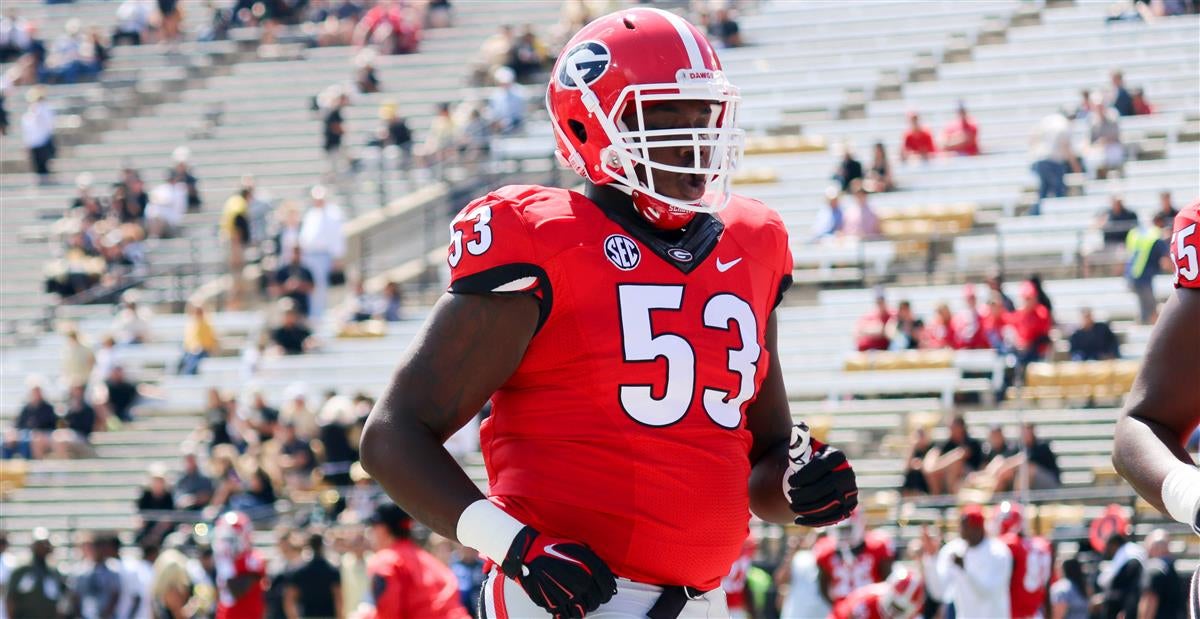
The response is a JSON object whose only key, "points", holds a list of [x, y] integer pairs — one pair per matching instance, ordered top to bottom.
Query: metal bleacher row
{"points": [[821, 70]]}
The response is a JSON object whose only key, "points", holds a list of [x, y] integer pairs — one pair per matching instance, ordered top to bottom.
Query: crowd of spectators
{"points": [[103, 233], [997, 324]]}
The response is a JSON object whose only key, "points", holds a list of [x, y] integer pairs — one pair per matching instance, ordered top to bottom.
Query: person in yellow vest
{"points": [[1146, 249], [199, 340]]}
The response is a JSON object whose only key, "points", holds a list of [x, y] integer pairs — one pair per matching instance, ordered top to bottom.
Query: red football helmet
{"points": [[643, 57], [1009, 519], [851, 532], [232, 534], [905, 596]]}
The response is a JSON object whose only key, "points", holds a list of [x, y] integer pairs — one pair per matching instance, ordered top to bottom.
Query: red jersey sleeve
{"points": [[1185, 247], [491, 252], [786, 264]]}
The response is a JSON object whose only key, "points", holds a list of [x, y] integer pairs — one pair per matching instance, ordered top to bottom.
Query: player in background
{"points": [[626, 338], [1163, 409], [851, 557], [1032, 563], [240, 568], [734, 584], [901, 596]]}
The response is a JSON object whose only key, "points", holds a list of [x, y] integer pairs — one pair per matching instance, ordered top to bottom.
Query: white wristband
{"points": [[1181, 494], [488, 529]]}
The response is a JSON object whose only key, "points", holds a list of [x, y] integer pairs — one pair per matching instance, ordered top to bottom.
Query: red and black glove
{"points": [[819, 483], [563, 577]]}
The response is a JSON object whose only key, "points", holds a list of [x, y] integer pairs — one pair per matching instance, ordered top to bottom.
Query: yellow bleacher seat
{"points": [[781, 144], [756, 176], [365, 329], [12, 475]]}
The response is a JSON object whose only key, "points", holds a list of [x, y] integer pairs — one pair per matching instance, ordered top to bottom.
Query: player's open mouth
{"points": [[692, 186]]}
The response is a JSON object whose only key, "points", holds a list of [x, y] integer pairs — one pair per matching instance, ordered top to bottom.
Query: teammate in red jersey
{"points": [[626, 338], [1164, 407], [851, 557], [1033, 563], [240, 569], [902, 596]]}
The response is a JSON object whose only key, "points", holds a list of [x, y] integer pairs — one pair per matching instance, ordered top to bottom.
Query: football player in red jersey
{"points": [[626, 338], [1163, 409], [851, 557], [1033, 563], [240, 568], [902, 596]]}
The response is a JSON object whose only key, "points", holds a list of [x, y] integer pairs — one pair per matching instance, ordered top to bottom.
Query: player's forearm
{"points": [[393, 449], [1145, 452], [767, 499]]}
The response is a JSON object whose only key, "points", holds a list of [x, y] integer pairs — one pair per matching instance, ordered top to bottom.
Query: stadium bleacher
{"points": [[817, 74]]}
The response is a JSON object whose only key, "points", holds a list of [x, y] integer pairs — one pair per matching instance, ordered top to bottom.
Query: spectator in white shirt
{"points": [[133, 17], [507, 103], [37, 132], [1052, 155], [164, 212], [323, 246], [971, 572]]}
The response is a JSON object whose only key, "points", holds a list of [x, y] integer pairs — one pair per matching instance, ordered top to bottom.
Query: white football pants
{"points": [[503, 598]]}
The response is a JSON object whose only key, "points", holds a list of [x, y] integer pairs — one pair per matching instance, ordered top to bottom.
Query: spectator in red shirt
{"points": [[385, 27], [1140, 104], [961, 135], [918, 141], [992, 321], [968, 325], [1031, 326], [870, 332], [941, 332], [407, 581]]}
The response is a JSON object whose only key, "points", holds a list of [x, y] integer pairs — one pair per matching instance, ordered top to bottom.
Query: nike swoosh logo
{"points": [[725, 266], [549, 549]]}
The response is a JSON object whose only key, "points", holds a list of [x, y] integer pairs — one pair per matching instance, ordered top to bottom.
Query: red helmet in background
{"points": [[616, 67], [1009, 519], [232, 534], [905, 596]]}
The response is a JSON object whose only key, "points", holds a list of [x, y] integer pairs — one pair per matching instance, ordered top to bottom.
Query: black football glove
{"points": [[819, 482], [563, 577]]}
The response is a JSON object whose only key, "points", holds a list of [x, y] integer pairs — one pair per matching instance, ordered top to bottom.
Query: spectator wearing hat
{"points": [[366, 81], [506, 105], [37, 133], [961, 135], [917, 141], [1052, 155], [830, 218], [323, 245], [132, 323], [157, 496], [971, 572], [406, 580], [37, 589]]}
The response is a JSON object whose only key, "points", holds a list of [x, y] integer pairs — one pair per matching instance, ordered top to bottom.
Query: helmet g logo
{"points": [[587, 60]]}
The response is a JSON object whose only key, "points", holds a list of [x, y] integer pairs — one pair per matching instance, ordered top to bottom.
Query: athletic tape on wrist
{"points": [[1181, 494], [488, 529]]}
